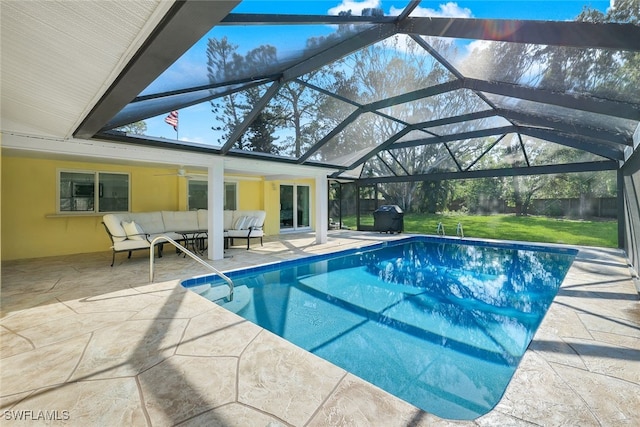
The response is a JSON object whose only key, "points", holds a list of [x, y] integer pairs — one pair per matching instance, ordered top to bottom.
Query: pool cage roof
{"points": [[383, 96]]}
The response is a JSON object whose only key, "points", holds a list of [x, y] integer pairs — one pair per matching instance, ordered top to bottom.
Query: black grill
{"points": [[388, 219]]}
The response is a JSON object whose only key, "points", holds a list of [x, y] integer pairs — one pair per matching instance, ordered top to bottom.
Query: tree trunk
{"points": [[517, 196]]}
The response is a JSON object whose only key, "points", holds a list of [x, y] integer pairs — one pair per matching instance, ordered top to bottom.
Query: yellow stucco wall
{"points": [[250, 195], [272, 206], [30, 228]]}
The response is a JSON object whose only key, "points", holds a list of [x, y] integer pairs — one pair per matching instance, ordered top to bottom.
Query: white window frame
{"points": [[229, 182], [96, 191], [296, 227]]}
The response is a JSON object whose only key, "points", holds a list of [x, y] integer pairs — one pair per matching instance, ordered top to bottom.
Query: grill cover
{"points": [[388, 219]]}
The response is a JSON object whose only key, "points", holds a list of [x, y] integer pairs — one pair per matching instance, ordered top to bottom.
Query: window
{"points": [[91, 191], [198, 195], [230, 196]]}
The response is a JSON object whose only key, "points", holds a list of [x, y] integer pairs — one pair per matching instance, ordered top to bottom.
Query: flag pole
{"points": [[173, 120], [177, 126]]}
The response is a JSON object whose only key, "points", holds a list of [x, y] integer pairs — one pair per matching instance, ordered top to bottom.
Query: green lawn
{"points": [[511, 227]]}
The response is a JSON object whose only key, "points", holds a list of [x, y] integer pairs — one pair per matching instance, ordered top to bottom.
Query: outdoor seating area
{"points": [[243, 225], [135, 231], [103, 346]]}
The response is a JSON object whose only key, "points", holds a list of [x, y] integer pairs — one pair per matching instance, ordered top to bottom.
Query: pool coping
{"points": [[276, 265], [196, 282], [582, 368]]}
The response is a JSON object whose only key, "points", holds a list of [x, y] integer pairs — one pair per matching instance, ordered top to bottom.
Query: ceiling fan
{"points": [[181, 172]]}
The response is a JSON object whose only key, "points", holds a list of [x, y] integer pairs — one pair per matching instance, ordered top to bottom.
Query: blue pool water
{"points": [[441, 324]]}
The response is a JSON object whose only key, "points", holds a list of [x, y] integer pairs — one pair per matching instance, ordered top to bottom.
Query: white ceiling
{"points": [[59, 57]]}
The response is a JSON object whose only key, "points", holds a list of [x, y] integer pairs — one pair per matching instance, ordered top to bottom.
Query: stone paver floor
{"points": [[89, 345]]}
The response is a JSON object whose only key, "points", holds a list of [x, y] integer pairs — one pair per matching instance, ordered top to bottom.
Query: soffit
{"points": [[58, 58]]}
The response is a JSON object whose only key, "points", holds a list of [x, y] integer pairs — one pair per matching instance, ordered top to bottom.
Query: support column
{"points": [[215, 207], [322, 209], [622, 214]]}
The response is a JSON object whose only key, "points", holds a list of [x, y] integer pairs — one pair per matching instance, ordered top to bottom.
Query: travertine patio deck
{"points": [[93, 345]]}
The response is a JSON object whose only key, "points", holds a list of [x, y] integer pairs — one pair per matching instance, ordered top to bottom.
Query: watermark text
{"points": [[31, 415]]}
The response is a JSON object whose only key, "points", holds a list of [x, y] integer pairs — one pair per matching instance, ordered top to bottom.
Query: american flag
{"points": [[172, 119]]}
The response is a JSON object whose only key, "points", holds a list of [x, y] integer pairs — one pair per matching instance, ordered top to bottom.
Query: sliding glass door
{"points": [[295, 207]]}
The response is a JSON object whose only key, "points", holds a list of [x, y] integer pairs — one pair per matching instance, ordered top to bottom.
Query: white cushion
{"points": [[260, 217], [203, 219], [228, 219], [232, 219], [180, 220], [252, 221], [151, 222], [248, 222], [113, 223], [240, 223], [133, 230], [237, 233], [244, 233], [128, 245]]}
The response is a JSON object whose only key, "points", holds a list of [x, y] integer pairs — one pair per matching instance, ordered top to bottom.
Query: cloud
{"points": [[355, 6], [445, 10], [478, 46], [473, 59]]}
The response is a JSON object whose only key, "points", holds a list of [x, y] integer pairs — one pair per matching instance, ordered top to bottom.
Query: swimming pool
{"points": [[440, 323]]}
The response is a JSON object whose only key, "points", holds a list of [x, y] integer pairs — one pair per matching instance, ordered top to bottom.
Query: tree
{"points": [[222, 63], [225, 63], [394, 66], [618, 71], [603, 73], [295, 106], [298, 108], [331, 112], [136, 128], [260, 135], [434, 195], [481, 195]]}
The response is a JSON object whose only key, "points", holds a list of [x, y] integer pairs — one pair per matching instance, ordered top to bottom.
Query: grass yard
{"points": [[511, 227]]}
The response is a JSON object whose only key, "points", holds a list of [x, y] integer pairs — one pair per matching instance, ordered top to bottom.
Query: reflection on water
{"points": [[497, 276], [440, 325]]}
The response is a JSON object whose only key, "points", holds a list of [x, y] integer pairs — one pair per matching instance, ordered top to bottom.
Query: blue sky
{"points": [[522, 9], [196, 121]]}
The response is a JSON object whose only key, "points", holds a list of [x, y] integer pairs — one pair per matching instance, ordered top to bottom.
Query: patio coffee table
{"points": [[194, 239]]}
